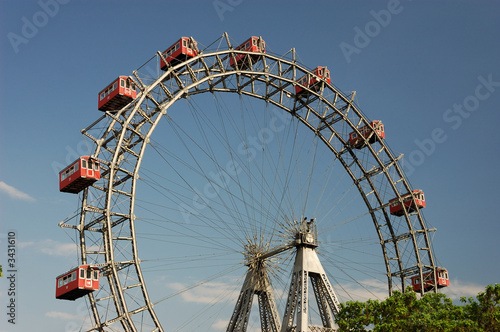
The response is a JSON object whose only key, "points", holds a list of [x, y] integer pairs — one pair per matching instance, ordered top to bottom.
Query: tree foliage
{"points": [[484, 310], [432, 312]]}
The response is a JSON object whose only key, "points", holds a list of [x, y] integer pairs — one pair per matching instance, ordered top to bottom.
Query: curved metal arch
{"points": [[257, 76], [129, 130]]}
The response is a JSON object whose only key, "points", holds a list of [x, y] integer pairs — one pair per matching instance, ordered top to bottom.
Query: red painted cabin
{"points": [[253, 44], [182, 50], [312, 80], [117, 94], [369, 132], [80, 174], [411, 204], [443, 280], [77, 282]]}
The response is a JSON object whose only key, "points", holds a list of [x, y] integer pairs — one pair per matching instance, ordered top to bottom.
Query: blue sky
{"points": [[428, 69]]}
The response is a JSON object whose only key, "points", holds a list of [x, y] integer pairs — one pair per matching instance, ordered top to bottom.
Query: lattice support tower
{"points": [[308, 269], [256, 283]]}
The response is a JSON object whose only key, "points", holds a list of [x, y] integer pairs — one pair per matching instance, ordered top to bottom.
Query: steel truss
{"points": [[106, 226], [307, 268], [256, 284]]}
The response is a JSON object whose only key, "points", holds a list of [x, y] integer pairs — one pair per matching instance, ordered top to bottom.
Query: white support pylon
{"points": [[307, 268], [256, 283]]}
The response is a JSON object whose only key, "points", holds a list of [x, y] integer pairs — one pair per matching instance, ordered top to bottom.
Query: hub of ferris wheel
{"points": [[308, 273]]}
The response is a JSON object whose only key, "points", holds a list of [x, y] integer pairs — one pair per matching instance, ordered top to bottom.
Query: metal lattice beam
{"points": [[328, 112]]}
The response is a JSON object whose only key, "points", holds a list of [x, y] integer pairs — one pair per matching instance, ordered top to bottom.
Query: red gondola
{"points": [[253, 44], [182, 50], [312, 80], [117, 94], [369, 132], [80, 174], [411, 204], [443, 280], [77, 282]]}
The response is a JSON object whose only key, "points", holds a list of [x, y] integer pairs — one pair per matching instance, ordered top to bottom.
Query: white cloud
{"points": [[15, 193], [26, 244], [51, 247], [54, 248], [458, 288], [364, 290], [209, 292], [213, 292], [64, 316], [72, 322], [220, 325]]}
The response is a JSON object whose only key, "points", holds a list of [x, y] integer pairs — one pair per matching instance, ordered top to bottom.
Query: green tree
{"points": [[484, 310], [432, 312]]}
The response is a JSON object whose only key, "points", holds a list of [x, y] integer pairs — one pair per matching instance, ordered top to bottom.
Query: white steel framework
{"points": [[106, 226]]}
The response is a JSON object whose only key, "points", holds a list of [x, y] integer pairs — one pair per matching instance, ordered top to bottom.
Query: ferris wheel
{"points": [[256, 160]]}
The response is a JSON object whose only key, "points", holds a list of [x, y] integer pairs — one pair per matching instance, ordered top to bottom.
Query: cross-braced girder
{"points": [[108, 218], [307, 270], [256, 284]]}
